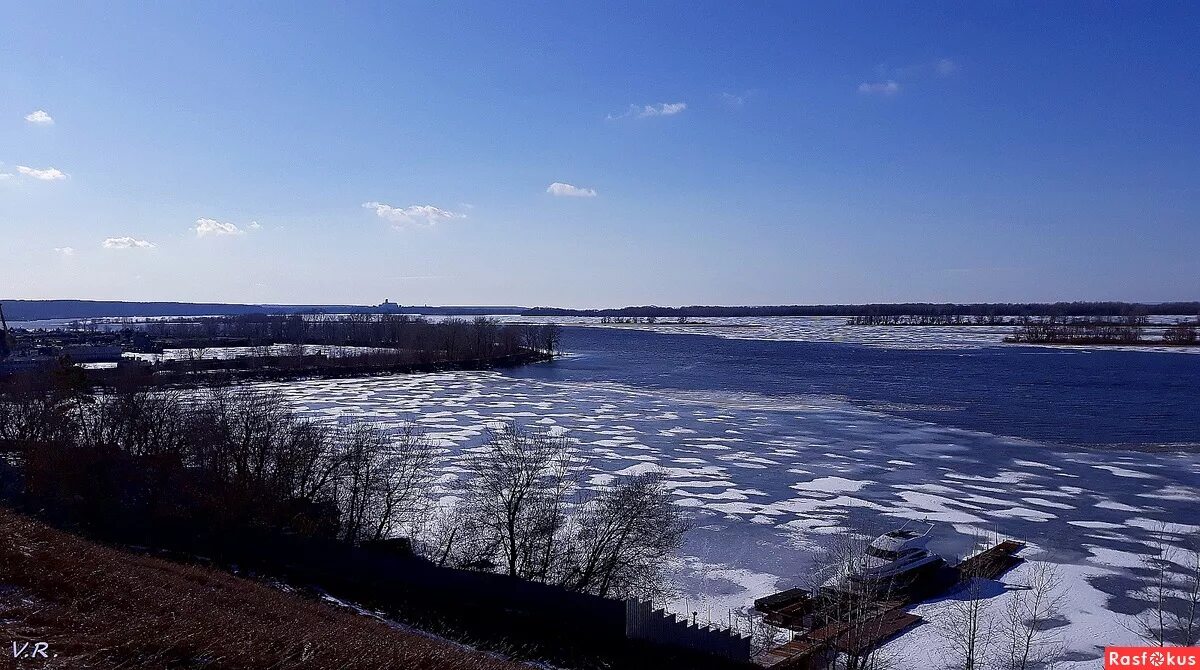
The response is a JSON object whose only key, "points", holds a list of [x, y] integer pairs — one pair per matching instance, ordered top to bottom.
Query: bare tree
{"points": [[195, 354], [360, 448], [402, 484], [514, 498], [524, 510], [441, 533], [624, 537], [1171, 593], [856, 604], [1187, 621], [968, 627], [1028, 635], [763, 636]]}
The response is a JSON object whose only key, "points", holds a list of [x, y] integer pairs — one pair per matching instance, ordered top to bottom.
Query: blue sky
{"points": [[719, 153]]}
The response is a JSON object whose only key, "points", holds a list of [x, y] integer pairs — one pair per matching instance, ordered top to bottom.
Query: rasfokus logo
{"points": [[1151, 657]]}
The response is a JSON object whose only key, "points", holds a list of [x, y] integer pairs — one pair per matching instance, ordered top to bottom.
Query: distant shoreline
{"points": [[39, 310], [642, 325], [1140, 343]]}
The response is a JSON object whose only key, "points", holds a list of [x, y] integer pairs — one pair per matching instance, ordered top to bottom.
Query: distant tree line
{"points": [[892, 309], [24, 310], [33, 310], [651, 319], [930, 320], [1109, 330], [1080, 331], [1181, 333], [450, 339], [280, 347], [170, 468]]}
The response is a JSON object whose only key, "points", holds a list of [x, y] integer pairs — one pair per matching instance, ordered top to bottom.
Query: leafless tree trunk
{"points": [[361, 446], [403, 479], [513, 503], [442, 535], [624, 537], [1171, 592], [850, 601], [1187, 623], [967, 627], [763, 636], [1027, 640]]}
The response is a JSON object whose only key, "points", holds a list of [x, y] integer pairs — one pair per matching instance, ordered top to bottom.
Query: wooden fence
{"points": [[644, 622]]}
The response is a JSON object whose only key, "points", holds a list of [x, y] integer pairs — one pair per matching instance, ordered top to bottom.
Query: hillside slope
{"points": [[99, 607]]}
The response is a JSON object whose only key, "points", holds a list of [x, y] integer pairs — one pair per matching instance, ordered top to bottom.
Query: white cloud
{"points": [[885, 74], [889, 87], [733, 100], [660, 109], [663, 109], [40, 118], [45, 174], [5, 175], [560, 189], [413, 215], [254, 225], [206, 227], [126, 243], [65, 251]]}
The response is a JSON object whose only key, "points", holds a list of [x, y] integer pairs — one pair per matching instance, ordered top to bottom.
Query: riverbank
{"points": [[1100, 343], [274, 347], [204, 372], [98, 607]]}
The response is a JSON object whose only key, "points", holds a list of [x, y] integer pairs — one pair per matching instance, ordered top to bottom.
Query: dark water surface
{"points": [[1129, 399]]}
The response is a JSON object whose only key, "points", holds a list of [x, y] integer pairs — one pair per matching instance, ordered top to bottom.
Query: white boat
{"points": [[895, 562]]}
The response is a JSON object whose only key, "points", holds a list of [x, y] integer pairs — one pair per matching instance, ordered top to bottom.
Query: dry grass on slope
{"points": [[102, 608]]}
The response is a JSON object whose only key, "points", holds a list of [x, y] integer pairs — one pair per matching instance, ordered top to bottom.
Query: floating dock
{"points": [[993, 563], [872, 624]]}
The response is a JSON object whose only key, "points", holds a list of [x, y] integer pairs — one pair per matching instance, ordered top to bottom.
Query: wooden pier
{"points": [[992, 563], [872, 625], [816, 646]]}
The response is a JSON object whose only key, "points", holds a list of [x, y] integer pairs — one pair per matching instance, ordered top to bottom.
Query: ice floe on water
{"points": [[835, 329], [766, 479]]}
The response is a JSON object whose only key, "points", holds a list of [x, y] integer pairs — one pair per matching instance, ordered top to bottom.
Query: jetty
{"points": [[820, 631]]}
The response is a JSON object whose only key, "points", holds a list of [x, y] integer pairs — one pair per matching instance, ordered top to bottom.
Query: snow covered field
{"points": [[768, 477]]}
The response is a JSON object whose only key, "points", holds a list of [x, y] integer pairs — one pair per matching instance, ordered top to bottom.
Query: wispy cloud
{"points": [[946, 67], [889, 77], [885, 88], [736, 99], [659, 109], [663, 109], [40, 118], [45, 174], [5, 175], [564, 190], [413, 215], [254, 225], [212, 227], [126, 243], [65, 252]]}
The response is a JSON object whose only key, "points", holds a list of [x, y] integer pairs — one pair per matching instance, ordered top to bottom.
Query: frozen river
{"points": [[774, 443]]}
